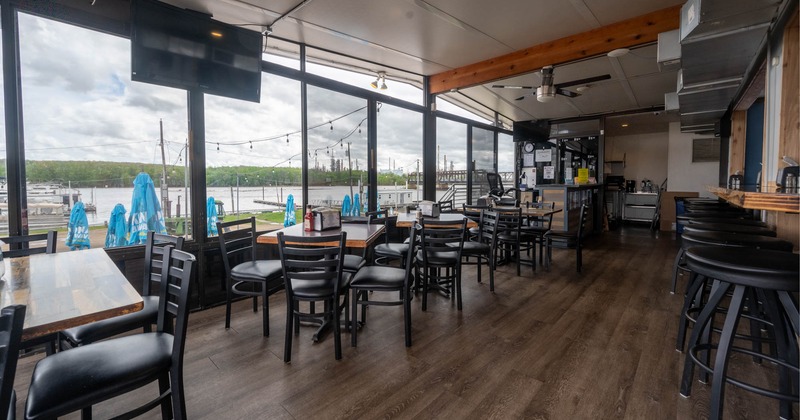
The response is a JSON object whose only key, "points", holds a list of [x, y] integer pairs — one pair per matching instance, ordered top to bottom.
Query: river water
{"points": [[242, 198]]}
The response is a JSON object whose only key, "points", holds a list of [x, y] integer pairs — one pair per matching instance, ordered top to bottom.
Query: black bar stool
{"points": [[729, 227], [718, 238], [770, 276]]}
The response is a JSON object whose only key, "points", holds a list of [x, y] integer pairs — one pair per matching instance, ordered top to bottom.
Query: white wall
{"points": [[645, 155], [683, 174]]}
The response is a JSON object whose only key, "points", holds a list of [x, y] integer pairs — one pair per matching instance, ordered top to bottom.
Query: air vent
{"points": [[669, 50]]}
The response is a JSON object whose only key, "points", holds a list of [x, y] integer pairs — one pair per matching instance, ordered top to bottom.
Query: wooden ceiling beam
{"points": [[626, 34]]}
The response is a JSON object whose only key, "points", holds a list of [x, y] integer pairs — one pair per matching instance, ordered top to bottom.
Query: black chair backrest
{"points": [[495, 184], [446, 206], [473, 212], [380, 217], [509, 220], [545, 221], [582, 222], [488, 225], [437, 234], [412, 237], [237, 242], [24, 245], [154, 255], [316, 259], [173, 302], [11, 321]]}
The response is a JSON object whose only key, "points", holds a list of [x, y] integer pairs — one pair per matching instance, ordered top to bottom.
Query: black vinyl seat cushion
{"points": [[733, 221], [728, 227], [690, 239], [473, 248], [392, 250], [439, 258], [353, 263], [760, 268], [257, 270], [379, 278], [313, 289], [98, 330], [87, 375]]}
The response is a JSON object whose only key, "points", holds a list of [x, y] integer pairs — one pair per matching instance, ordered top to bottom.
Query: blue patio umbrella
{"points": [[356, 205], [346, 210], [145, 214], [211, 216], [289, 218], [78, 228], [117, 231]]}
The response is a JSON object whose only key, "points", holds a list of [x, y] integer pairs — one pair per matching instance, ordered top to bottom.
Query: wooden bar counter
{"points": [[776, 201]]}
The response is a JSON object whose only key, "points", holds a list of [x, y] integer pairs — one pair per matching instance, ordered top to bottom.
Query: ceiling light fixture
{"points": [[619, 52], [380, 81], [582, 88], [545, 93], [624, 124]]}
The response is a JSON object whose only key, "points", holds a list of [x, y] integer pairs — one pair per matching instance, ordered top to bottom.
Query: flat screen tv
{"points": [[189, 50]]}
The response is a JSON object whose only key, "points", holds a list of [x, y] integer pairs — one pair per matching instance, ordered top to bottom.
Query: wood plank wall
{"points": [[738, 142], [788, 224]]}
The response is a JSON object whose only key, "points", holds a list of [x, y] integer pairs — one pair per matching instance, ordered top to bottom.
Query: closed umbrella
{"points": [[356, 205], [346, 210], [145, 214], [211, 216], [289, 218], [78, 228], [117, 231]]}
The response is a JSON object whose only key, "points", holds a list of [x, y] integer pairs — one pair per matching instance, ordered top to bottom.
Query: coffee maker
{"points": [[630, 185]]}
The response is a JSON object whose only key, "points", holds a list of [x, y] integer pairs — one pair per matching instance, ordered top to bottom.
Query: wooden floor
{"points": [[546, 345]]}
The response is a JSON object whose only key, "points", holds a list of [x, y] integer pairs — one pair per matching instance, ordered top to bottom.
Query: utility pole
{"points": [[350, 165], [417, 180], [164, 188]]}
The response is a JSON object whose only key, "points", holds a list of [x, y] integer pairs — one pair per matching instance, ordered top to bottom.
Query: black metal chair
{"points": [[446, 206], [473, 212], [539, 226], [511, 239], [568, 240], [24, 245], [483, 246], [383, 253], [438, 260], [313, 271], [245, 275], [377, 278], [11, 320], [99, 330], [78, 378]]}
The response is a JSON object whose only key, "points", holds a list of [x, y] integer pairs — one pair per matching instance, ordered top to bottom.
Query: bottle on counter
{"points": [[308, 220]]}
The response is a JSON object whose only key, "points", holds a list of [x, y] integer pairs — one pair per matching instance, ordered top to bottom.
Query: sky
{"points": [[79, 103]]}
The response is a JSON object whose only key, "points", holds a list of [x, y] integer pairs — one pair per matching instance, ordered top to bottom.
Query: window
{"points": [[89, 130], [337, 149], [254, 152], [399, 156], [451, 160]]}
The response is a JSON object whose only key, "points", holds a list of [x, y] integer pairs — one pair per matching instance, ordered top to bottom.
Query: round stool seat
{"points": [[714, 214], [729, 220], [729, 227], [710, 238], [765, 269]]}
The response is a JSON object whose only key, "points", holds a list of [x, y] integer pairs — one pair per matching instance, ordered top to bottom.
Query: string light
{"points": [[331, 123], [287, 139], [251, 145], [218, 147]]}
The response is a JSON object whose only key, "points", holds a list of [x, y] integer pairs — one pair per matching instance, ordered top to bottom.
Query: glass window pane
{"points": [[89, 130], [337, 148], [254, 153], [505, 153], [483, 156], [399, 157], [451, 160]]}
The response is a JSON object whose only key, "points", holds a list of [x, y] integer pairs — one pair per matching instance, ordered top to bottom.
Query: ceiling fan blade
{"points": [[583, 81], [512, 87], [567, 93], [521, 98]]}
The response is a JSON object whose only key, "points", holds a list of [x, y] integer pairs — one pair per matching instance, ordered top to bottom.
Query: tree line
{"points": [[87, 174]]}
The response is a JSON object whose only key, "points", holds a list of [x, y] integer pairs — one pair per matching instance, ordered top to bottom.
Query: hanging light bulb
{"points": [[331, 123], [287, 139], [251, 145], [218, 147]]}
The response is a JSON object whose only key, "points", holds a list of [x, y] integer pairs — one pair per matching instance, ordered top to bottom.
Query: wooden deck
{"points": [[548, 345]]}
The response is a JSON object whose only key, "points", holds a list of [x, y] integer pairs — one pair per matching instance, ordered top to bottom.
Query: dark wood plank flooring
{"points": [[546, 345]]}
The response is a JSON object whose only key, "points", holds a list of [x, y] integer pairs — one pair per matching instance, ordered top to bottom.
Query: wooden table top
{"points": [[773, 200], [532, 212], [406, 220], [359, 235], [66, 289]]}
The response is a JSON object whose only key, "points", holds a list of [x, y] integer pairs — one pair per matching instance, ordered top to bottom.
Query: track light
{"points": [[380, 81]]}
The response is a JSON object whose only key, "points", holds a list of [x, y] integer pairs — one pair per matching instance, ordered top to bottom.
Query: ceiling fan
{"points": [[547, 91]]}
